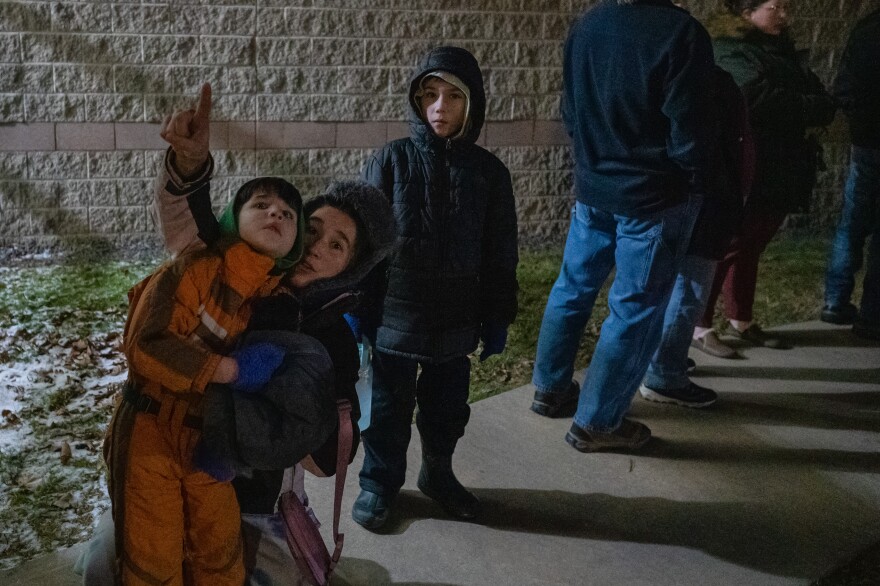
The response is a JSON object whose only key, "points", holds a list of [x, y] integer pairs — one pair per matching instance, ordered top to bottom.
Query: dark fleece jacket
{"points": [[857, 87], [635, 106], [454, 268]]}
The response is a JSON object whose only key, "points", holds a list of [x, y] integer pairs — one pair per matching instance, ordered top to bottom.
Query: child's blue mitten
{"points": [[256, 365]]}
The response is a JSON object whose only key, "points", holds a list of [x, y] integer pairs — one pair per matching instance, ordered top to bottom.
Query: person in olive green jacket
{"points": [[784, 99]]}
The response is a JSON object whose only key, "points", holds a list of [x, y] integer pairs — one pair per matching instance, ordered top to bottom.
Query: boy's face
{"points": [[443, 106], [268, 224], [330, 242]]}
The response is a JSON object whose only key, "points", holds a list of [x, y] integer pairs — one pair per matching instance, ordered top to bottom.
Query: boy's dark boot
{"points": [[437, 481], [371, 510]]}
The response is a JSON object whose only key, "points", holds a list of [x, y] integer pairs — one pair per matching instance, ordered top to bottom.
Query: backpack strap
{"points": [[343, 453]]}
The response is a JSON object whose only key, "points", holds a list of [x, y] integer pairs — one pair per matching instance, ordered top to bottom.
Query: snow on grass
{"points": [[60, 369]]}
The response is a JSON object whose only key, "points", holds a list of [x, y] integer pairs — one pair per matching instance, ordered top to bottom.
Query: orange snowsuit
{"points": [[175, 524]]}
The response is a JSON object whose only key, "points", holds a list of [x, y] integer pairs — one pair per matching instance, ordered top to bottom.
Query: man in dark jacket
{"points": [[857, 89], [634, 107], [732, 162], [450, 283]]}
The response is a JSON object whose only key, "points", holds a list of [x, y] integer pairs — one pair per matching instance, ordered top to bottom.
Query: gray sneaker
{"points": [[692, 395], [630, 435]]}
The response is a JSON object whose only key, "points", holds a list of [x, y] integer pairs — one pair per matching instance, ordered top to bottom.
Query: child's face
{"points": [[443, 106], [268, 224], [330, 241]]}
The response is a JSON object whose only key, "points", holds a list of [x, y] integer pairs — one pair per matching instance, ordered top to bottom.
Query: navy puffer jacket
{"points": [[454, 267]]}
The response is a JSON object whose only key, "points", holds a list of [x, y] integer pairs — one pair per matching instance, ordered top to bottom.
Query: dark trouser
{"points": [[737, 273], [441, 392]]}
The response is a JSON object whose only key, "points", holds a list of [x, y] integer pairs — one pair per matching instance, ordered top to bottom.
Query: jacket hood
{"points": [[725, 25], [463, 65], [374, 218], [228, 220]]}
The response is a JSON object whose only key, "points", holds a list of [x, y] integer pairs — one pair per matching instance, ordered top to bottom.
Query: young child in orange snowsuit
{"points": [[175, 510]]}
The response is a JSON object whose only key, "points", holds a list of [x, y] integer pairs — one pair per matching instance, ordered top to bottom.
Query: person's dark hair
{"points": [[737, 6], [283, 189], [344, 204]]}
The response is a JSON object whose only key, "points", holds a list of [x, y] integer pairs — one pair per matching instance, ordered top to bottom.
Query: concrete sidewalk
{"points": [[776, 484]]}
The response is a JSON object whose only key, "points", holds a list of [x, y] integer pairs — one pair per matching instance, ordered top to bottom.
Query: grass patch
{"points": [[86, 287]]}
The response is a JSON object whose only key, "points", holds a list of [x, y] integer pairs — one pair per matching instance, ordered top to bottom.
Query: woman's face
{"points": [[770, 17], [329, 246]]}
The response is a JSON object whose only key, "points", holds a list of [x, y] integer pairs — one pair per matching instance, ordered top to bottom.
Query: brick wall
{"points": [[303, 89]]}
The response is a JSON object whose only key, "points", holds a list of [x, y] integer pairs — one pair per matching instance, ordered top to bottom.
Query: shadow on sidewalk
{"points": [[832, 337], [833, 375], [841, 411], [775, 458], [746, 534], [360, 572]]}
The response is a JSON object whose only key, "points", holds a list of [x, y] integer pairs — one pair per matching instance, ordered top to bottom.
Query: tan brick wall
{"points": [[303, 88]]}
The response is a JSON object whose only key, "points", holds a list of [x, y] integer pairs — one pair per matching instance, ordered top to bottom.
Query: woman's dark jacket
{"points": [[857, 86], [784, 98], [732, 161], [455, 263]]}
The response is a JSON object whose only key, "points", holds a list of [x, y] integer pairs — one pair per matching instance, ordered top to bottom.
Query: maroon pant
{"points": [[737, 273]]}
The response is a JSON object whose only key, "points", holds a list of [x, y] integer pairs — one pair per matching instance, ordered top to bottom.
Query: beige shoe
{"points": [[710, 344]]}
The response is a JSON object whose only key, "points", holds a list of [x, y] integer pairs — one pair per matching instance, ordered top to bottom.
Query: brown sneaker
{"points": [[756, 336], [710, 344], [630, 435]]}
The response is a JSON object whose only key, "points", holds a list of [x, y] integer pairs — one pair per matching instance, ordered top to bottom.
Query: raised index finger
{"points": [[203, 109]]}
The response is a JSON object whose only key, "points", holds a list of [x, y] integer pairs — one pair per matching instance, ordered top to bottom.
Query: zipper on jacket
{"points": [[445, 209]]}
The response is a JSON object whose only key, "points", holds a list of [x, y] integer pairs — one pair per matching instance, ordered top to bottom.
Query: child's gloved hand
{"points": [[355, 324], [494, 337], [256, 365], [208, 462]]}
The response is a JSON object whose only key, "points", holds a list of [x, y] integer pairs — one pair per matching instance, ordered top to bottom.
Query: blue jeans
{"points": [[859, 219], [647, 253], [668, 368], [441, 391]]}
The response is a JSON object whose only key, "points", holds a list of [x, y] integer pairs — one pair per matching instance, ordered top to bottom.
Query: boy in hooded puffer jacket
{"points": [[450, 284], [174, 508]]}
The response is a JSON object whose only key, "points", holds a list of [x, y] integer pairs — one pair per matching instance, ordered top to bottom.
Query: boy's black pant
{"points": [[441, 391]]}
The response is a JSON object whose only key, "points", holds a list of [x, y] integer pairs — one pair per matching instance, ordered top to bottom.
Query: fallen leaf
{"points": [[10, 417], [66, 453], [29, 480], [65, 501]]}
